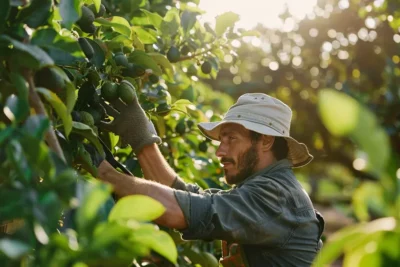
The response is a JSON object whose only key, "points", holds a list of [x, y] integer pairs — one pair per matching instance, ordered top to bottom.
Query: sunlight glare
{"points": [[252, 12]]}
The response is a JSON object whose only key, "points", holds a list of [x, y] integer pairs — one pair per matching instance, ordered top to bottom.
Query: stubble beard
{"points": [[247, 161]]}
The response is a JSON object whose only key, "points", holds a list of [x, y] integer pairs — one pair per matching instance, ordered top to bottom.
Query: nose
{"points": [[221, 150]]}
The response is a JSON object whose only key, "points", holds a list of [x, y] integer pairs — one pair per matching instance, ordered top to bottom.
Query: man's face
{"points": [[238, 155]]}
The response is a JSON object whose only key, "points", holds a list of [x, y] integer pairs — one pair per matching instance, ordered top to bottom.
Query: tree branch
{"points": [[194, 55], [37, 104]]}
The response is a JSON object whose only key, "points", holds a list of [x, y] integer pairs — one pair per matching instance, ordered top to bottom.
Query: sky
{"points": [[252, 12]]}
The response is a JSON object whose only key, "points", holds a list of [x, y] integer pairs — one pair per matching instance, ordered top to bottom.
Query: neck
{"points": [[265, 160]]}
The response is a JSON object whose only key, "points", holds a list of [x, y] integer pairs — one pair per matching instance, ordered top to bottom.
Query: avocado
{"points": [[86, 20], [86, 48], [185, 50], [173, 54], [121, 60], [206, 67], [133, 70], [191, 70], [154, 78], [109, 91], [126, 92], [87, 118], [180, 127]]}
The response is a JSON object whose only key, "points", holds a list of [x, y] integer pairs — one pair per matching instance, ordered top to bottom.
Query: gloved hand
{"points": [[131, 124]]}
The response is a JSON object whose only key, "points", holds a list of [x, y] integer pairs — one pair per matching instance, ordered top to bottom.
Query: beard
{"points": [[247, 161]]}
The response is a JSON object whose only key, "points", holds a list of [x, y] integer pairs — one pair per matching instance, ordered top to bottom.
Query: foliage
{"points": [[56, 69]]}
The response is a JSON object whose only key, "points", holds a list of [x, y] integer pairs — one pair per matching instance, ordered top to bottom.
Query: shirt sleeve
{"points": [[251, 214]]}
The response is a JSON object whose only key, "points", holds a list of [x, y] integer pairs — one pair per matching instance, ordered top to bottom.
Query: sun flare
{"points": [[253, 12]]}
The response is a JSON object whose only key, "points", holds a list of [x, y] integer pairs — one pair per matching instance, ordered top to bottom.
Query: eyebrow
{"points": [[225, 133]]}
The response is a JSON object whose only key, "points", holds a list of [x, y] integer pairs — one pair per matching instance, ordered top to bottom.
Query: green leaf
{"points": [[4, 12], [70, 12], [36, 14], [145, 17], [188, 20], [225, 21], [171, 22], [119, 24], [146, 36], [48, 38], [99, 54], [37, 56], [143, 59], [164, 63], [23, 92], [70, 96], [181, 105], [59, 107], [15, 109], [342, 115], [37, 126], [87, 132], [5, 133], [16, 155], [95, 195], [362, 201], [137, 207], [106, 234], [351, 237], [159, 241], [13, 249]]}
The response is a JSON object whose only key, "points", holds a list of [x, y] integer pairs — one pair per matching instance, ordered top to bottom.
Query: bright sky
{"points": [[252, 12]]}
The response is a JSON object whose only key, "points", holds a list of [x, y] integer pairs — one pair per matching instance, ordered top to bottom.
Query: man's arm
{"points": [[154, 165], [129, 185]]}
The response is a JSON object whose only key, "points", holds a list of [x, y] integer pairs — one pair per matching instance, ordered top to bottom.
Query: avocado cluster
{"points": [[124, 90]]}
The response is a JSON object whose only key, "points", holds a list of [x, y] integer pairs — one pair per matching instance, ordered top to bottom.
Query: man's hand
{"points": [[131, 124]]}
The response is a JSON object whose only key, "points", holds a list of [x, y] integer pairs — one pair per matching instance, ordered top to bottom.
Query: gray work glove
{"points": [[131, 124]]}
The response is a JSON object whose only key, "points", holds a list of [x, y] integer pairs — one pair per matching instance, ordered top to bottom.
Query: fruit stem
{"points": [[38, 106]]}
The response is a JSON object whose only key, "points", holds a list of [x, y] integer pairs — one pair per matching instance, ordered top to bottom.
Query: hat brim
{"points": [[298, 152]]}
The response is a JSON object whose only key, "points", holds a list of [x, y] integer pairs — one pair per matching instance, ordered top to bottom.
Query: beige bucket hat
{"points": [[263, 114]]}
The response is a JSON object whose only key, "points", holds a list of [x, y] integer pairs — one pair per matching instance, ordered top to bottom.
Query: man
{"points": [[266, 219]]}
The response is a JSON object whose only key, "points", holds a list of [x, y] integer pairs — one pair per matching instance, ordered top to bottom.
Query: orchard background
{"points": [[338, 68]]}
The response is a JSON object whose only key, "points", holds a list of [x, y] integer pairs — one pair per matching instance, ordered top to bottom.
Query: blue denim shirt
{"points": [[269, 215]]}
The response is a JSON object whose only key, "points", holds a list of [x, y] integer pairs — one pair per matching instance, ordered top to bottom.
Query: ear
{"points": [[267, 142]]}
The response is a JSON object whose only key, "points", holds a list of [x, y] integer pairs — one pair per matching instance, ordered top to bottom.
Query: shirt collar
{"points": [[283, 163]]}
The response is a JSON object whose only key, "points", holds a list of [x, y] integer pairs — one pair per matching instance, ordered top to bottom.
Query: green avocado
{"points": [[85, 22], [86, 48], [185, 50], [173, 54], [120, 59], [206, 67], [133, 70], [191, 70], [154, 78], [49, 79], [109, 91], [126, 92], [87, 118], [180, 127]]}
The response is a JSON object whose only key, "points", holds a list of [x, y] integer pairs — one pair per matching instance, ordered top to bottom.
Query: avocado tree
{"points": [[62, 64]]}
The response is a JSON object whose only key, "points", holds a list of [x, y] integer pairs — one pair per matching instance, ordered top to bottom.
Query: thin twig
{"points": [[195, 55], [37, 104]]}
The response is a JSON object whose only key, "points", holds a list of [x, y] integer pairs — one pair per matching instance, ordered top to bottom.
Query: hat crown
{"points": [[263, 109]]}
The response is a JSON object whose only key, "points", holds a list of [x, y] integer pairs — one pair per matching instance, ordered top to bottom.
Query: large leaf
{"points": [[96, 3], [70, 12], [36, 14], [145, 17], [188, 20], [225, 21], [171, 22], [119, 24], [146, 36], [48, 38], [37, 57], [143, 59], [23, 93], [59, 107], [15, 109], [344, 116], [37, 126], [87, 132], [19, 162], [95, 195], [137, 207], [159, 241], [13, 249]]}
